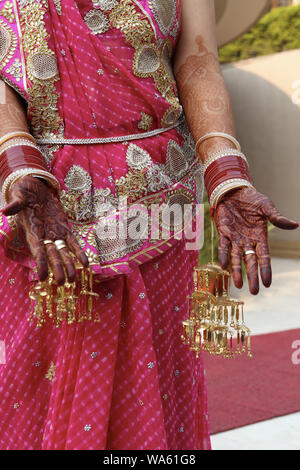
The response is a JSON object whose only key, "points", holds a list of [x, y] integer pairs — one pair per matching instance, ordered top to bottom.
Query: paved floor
{"points": [[274, 309], [275, 434]]}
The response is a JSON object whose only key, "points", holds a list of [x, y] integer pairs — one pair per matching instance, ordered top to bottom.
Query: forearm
{"points": [[201, 86], [205, 99], [206, 102], [12, 113], [19, 154]]}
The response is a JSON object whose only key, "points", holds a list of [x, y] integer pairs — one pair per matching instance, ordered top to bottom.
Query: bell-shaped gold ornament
{"points": [[216, 322]]}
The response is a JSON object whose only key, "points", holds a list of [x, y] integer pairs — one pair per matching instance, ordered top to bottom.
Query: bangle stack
{"points": [[19, 157], [225, 170]]}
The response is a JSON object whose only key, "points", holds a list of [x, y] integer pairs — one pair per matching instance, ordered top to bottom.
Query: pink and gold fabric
{"points": [[102, 69]]}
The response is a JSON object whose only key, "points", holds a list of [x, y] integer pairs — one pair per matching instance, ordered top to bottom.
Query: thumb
{"points": [[13, 207], [274, 216]]}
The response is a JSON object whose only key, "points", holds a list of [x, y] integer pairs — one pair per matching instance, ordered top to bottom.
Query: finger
{"points": [[13, 207], [277, 219], [284, 223], [34, 233], [223, 247], [77, 250], [40, 258], [264, 259], [68, 263], [42, 264], [56, 264], [236, 266], [252, 271]]}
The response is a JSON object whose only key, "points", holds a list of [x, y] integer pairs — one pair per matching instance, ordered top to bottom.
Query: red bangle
{"points": [[20, 157], [16, 160], [225, 164], [224, 169], [228, 174], [213, 176], [210, 177]]}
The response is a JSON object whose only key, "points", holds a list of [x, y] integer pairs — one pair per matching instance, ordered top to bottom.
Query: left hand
{"points": [[242, 221]]}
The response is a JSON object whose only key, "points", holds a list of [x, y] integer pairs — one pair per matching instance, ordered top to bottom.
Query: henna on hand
{"points": [[12, 113], [41, 216], [242, 221]]}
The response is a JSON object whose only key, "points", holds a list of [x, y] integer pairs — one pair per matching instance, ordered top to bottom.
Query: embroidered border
{"points": [[164, 12], [11, 45], [41, 70]]}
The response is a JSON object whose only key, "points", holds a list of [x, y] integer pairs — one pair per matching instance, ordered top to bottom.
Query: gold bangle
{"points": [[13, 135], [224, 135], [17, 142], [227, 186]]}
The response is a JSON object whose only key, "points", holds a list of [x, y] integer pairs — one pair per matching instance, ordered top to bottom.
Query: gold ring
{"points": [[48, 242], [60, 244]]}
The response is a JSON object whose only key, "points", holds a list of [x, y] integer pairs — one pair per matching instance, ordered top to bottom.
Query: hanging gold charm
{"points": [[59, 303], [215, 319]]}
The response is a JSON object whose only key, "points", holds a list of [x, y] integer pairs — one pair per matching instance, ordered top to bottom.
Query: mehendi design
{"points": [[204, 97], [12, 115], [42, 218], [242, 221]]}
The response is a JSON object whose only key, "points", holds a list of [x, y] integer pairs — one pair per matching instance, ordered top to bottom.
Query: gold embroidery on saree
{"points": [[57, 4], [105, 5], [7, 12], [164, 12], [96, 21], [175, 30], [8, 43], [149, 59], [146, 61], [41, 69], [16, 70], [145, 122], [137, 158], [176, 163], [133, 185], [82, 202], [103, 235], [51, 372]]}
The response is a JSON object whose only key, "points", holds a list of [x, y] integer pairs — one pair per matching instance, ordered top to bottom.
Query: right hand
{"points": [[41, 216], [242, 218]]}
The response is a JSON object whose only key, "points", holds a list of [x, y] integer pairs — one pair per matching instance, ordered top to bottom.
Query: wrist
{"points": [[216, 140], [17, 161]]}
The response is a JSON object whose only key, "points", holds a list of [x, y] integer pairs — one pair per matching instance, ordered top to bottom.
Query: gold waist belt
{"points": [[104, 140]]}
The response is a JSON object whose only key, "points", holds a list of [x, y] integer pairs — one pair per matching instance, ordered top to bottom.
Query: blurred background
{"points": [[255, 404]]}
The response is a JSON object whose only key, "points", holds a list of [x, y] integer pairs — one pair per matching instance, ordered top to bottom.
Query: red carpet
{"points": [[243, 391]]}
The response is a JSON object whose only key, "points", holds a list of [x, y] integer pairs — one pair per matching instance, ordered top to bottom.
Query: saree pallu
{"points": [[102, 69]]}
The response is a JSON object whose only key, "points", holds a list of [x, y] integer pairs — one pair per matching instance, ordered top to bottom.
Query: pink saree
{"points": [[102, 103]]}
